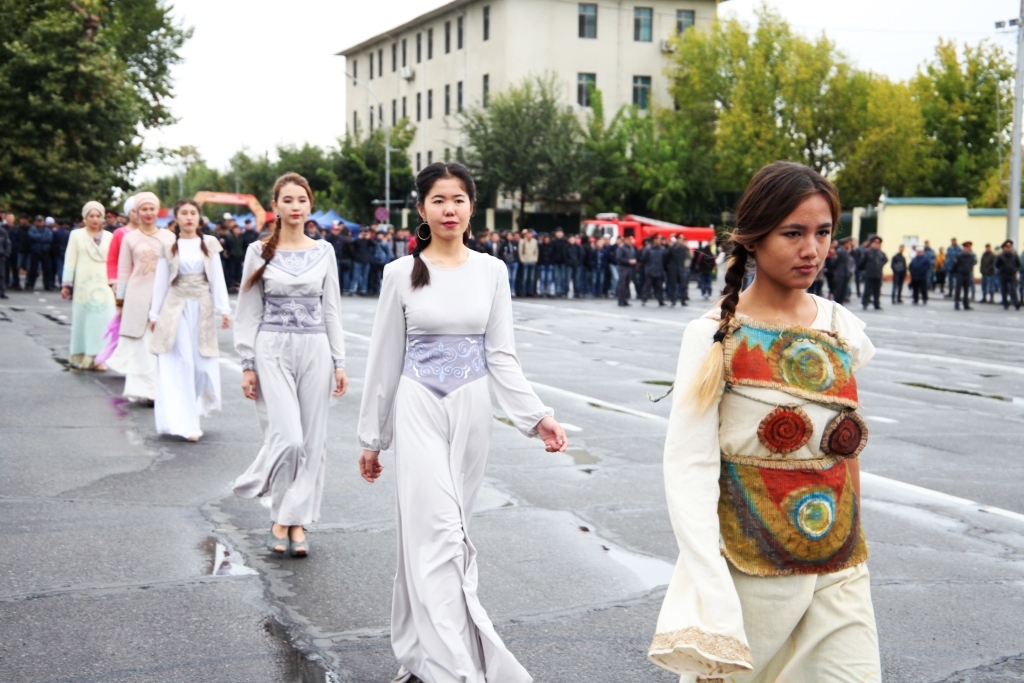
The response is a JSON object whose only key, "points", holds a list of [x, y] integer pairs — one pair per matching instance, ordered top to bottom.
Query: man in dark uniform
{"points": [[874, 260], [625, 262], [963, 275]]}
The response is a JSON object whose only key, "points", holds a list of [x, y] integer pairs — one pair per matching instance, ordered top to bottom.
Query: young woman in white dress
{"points": [[188, 293], [288, 334], [442, 337]]}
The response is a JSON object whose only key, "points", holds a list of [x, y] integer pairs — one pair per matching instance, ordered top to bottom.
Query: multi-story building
{"points": [[431, 68]]}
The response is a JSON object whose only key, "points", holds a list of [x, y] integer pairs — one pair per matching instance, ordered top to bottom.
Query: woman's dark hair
{"points": [[424, 184], [774, 192], [177, 226], [270, 243]]}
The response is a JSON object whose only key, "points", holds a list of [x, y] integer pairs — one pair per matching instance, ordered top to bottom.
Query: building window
{"points": [[643, 18], [685, 18], [588, 20], [487, 22], [459, 35], [447, 37], [430, 43], [419, 48], [394, 56], [380, 62], [404, 62], [371, 66], [355, 71], [584, 82], [487, 88], [642, 92], [458, 98], [447, 100], [430, 104], [419, 105], [405, 112], [394, 113], [380, 114], [371, 120], [355, 124], [447, 153], [458, 153], [430, 157], [419, 162]]}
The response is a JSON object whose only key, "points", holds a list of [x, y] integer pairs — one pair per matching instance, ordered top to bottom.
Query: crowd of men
{"points": [[950, 270]]}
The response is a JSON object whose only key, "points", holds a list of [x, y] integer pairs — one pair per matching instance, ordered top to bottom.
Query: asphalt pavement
{"points": [[127, 558]]}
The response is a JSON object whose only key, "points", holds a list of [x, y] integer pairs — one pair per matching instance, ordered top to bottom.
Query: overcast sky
{"points": [[258, 73]]}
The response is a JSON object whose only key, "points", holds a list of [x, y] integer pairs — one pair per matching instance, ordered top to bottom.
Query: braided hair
{"points": [[424, 184], [774, 193], [176, 227], [270, 243]]}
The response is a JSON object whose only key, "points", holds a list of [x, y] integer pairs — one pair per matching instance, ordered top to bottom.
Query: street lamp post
{"points": [[387, 144], [1013, 206]]}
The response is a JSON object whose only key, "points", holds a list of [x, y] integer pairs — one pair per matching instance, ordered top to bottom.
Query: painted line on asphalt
{"points": [[603, 314], [536, 330], [940, 335], [950, 359], [934, 496]]}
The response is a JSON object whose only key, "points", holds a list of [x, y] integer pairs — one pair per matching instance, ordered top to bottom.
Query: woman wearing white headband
{"points": [[136, 273], [85, 281]]}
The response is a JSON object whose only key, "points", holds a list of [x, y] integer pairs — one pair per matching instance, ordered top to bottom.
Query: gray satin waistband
{"points": [[296, 314], [445, 362]]}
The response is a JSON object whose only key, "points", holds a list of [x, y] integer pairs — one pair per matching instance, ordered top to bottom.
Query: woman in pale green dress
{"points": [[85, 282]]}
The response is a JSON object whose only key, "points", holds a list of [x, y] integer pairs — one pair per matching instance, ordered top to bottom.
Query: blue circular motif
{"points": [[814, 514]]}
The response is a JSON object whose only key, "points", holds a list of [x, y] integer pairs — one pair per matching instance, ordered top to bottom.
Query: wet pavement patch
{"points": [[659, 382], [965, 392], [601, 407], [581, 456], [225, 561]]}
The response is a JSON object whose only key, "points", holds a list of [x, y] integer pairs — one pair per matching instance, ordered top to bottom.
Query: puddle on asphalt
{"points": [[55, 318], [63, 362], [988, 376], [659, 382], [965, 392], [581, 456], [491, 498], [225, 561], [652, 571], [302, 667]]}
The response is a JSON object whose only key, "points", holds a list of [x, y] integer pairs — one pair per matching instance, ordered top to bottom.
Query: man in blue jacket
{"points": [[40, 238], [920, 268]]}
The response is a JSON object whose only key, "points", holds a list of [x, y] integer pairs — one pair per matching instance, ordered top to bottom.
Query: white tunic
{"points": [[433, 355], [188, 383]]}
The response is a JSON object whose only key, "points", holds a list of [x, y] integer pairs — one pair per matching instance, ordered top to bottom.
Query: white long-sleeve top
{"points": [[190, 261], [310, 272], [472, 299], [700, 628]]}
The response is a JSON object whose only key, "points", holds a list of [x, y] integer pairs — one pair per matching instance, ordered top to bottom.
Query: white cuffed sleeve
{"points": [[250, 308], [332, 311], [383, 366], [515, 395], [700, 628]]}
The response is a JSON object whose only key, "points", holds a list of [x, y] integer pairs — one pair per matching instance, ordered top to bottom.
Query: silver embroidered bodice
{"points": [[299, 293], [454, 331]]}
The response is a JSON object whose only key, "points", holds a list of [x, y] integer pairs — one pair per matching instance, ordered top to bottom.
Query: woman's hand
{"points": [[65, 292], [225, 321], [340, 382], [249, 384], [552, 434], [369, 467]]}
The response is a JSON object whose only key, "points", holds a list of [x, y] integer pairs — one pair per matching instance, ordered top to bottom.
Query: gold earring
{"points": [[420, 237]]}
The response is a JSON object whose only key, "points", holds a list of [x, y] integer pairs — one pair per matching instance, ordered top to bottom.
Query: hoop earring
{"points": [[420, 237]]}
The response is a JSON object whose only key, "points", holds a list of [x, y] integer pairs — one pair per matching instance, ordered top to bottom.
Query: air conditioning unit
{"points": [[667, 46], [407, 73]]}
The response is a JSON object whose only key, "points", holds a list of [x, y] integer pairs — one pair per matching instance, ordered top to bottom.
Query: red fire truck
{"points": [[610, 226]]}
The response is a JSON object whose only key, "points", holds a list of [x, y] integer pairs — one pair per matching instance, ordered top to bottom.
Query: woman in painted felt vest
{"points": [[188, 293], [289, 336], [442, 336], [761, 467]]}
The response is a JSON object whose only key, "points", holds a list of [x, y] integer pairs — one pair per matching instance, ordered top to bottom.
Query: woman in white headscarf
{"points": [[84, 281]]}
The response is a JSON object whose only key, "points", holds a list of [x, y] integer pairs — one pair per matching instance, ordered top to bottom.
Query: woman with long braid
{"points": [[188, 293], [288, 334], [442, 336], [761, 466]]}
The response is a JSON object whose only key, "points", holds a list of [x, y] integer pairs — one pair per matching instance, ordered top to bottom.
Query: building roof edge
{"points": [[386, 35]]}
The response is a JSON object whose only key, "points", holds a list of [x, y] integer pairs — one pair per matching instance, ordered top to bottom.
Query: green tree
{"points": [[77, 91], [967, 108], [526, 142], [356, 171]]}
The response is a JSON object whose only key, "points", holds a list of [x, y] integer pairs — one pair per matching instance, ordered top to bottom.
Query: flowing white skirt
{"points": [[133, 360], [188, 383]]}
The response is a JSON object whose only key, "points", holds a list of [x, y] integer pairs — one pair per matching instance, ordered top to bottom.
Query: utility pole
{"points": [[387, 144], [1013, 207]]}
